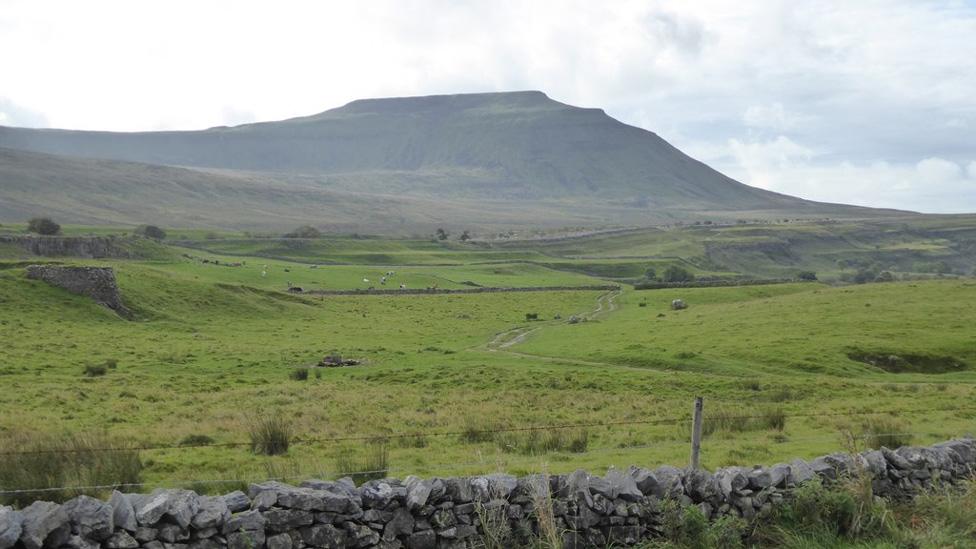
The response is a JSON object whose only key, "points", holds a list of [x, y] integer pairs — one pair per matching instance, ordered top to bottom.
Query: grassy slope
{"points": [[205, 356]]}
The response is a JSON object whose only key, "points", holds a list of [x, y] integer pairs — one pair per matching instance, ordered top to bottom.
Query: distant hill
{"points": [[420, 160]]}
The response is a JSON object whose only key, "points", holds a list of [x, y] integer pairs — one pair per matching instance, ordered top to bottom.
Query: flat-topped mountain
{"points": [[582, 165]]}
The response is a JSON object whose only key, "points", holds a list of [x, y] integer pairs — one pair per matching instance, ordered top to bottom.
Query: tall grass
{"points": [[737, 420], [878, 431], [270, 435], [543, 442], [371, 462], [63, 466]]}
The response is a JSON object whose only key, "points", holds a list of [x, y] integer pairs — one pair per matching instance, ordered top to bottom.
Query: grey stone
{"points": [[875, 463], [800, 472], [778, 475], [760, 479], [731, 480], [671, 481], [646, 482], [700, 485], [271, 486], [501, 486], [623, 486], [480, 489], [458, 490], [418, 491], [378, 495], [264, 500], [237, 501], [179, 505], [211, 513], [123, 514], [90, 518], [281, 520], [249, 521], [44, 522], [401, 524], [11, 525], [145, 533], [171, 533], [323, 535], [360, 536], [246, 539], [426, 539], [121, 540], [279, 541], [79, 542], [204, 543], [153, 545]]}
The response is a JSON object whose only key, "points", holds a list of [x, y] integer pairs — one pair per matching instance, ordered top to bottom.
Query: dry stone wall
{"points": [[71, 246], [97, 283], [620, 508]]}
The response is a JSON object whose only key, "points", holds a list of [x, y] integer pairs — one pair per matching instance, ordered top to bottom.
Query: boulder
{"points": [[623, 486], [418, 491], [237, 501], [178, 505], [123, 513], [212, 513], [90, 518], [44, 523], [11, 525], [121, 540]]}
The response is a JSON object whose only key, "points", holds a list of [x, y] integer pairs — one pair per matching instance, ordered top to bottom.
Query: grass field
{"points": [[215, 347]]}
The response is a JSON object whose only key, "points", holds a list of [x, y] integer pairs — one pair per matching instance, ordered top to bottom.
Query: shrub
{"points": [[43, 225], [150, 231], [305, 231], [650, 273], [677, 274], [806, 275], [531, 316], [95, 370], [299, 374], [270, 435], [66, 460], [372, 463]]}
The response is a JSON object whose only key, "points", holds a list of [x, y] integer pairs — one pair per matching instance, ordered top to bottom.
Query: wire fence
{"points": [[484, 465]]}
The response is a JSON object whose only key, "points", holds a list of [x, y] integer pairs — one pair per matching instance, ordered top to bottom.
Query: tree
{"points": [[43, 225], [150, 231], [305, 231], [441, 234], [464, 236], [650, 273], [677, 274], [806, 275]]}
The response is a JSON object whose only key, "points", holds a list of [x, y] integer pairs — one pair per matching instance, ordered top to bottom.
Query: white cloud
{"points": [[848, 83], [773, 116]]}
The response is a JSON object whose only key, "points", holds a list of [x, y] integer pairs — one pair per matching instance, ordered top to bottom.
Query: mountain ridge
{"points": [[512, 146]]}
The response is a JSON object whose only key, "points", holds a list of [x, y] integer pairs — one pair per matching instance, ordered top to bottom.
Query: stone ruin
{"points": [[97, 283]]}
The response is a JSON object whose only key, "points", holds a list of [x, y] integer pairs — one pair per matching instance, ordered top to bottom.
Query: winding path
{"points": [[605, 304]]}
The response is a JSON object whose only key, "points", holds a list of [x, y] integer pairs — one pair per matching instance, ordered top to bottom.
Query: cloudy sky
{"points": [[862, 102]]}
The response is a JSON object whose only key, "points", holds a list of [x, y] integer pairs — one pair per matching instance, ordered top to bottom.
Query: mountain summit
{"points": [[515, 146]]}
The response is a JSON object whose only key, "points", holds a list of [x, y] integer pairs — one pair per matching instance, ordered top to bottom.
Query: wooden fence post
{"points": [[696, 433]]}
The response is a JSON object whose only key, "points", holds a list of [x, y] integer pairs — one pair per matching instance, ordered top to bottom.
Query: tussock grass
{"points": [[299, 374], [738, 420], [878, 431], [270, 435], [544, 441], [372, 461], [54, 462]]}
